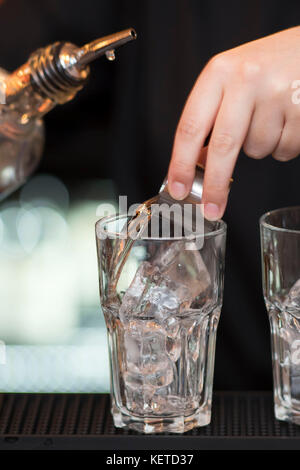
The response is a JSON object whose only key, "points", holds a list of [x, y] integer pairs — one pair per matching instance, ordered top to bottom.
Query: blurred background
{"points": [[115, 138]]}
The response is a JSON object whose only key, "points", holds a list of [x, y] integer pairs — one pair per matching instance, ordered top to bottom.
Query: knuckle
{"points": [[220, 63], [249, 70], [278, 87], [189, 129], [222, 143], [182, 167], [217, 187], [216, 190], [216, 193]]}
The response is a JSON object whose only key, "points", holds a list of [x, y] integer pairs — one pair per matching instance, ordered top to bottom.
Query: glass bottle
{"points": [[52, 75]]}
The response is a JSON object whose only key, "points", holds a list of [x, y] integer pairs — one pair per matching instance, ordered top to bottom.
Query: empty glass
{"points": [[280, 241], [161, 303]]}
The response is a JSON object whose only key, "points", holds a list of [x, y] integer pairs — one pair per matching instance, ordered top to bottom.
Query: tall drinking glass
{"points": [[280, 241], [161, 299]]}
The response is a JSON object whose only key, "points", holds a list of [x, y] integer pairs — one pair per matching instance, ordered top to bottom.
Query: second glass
{"points": [[280, 241], [161, 304]]}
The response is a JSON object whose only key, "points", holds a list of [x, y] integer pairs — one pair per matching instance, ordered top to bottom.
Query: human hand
{"points": [[246, 97]]}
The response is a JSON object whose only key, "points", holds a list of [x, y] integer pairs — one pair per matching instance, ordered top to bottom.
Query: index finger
{"points": [[194, 126], [227, 138]]}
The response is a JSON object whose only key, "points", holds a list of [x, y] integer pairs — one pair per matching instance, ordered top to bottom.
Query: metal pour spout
{"points": [[105, 45], [58, 71]]}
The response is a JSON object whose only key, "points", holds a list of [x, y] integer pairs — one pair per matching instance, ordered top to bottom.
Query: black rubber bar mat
{"points": [[240, 420]]}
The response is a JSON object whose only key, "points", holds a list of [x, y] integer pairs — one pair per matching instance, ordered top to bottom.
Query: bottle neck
{"points": [[38, 86], [23, 100], [18, 117]]}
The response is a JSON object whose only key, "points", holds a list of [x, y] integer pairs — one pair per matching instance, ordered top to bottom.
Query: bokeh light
{"points": [[43, 190], [51, 320]]}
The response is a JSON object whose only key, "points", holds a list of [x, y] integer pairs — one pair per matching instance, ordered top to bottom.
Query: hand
{"points": [[247, 97]]}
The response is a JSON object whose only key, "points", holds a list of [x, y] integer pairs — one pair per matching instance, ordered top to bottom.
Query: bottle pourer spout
{"points": [[105, 45], [58, 71]]}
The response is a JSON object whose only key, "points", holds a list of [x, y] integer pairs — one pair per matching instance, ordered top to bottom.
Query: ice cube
{"points": [[168, 253], [184, 266], [189, 270], [166, 286], [159, 292], [133, 299], [164, 300], [292, 301], [144, 344], [173, 348], [147, 363], [160, 378], [138, 400], [167, 404]]}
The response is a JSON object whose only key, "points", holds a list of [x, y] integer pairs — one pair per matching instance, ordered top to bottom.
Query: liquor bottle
{"points": [[52, 75]]}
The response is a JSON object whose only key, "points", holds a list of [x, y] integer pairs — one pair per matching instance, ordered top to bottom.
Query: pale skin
{"points": [[243, 96]]}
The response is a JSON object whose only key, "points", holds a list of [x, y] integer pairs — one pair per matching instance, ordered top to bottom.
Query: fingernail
{"points": [[178, 190], [211, 211]]}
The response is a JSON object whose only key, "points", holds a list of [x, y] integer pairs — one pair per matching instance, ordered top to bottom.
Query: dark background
{"points": [[122, 126]]}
